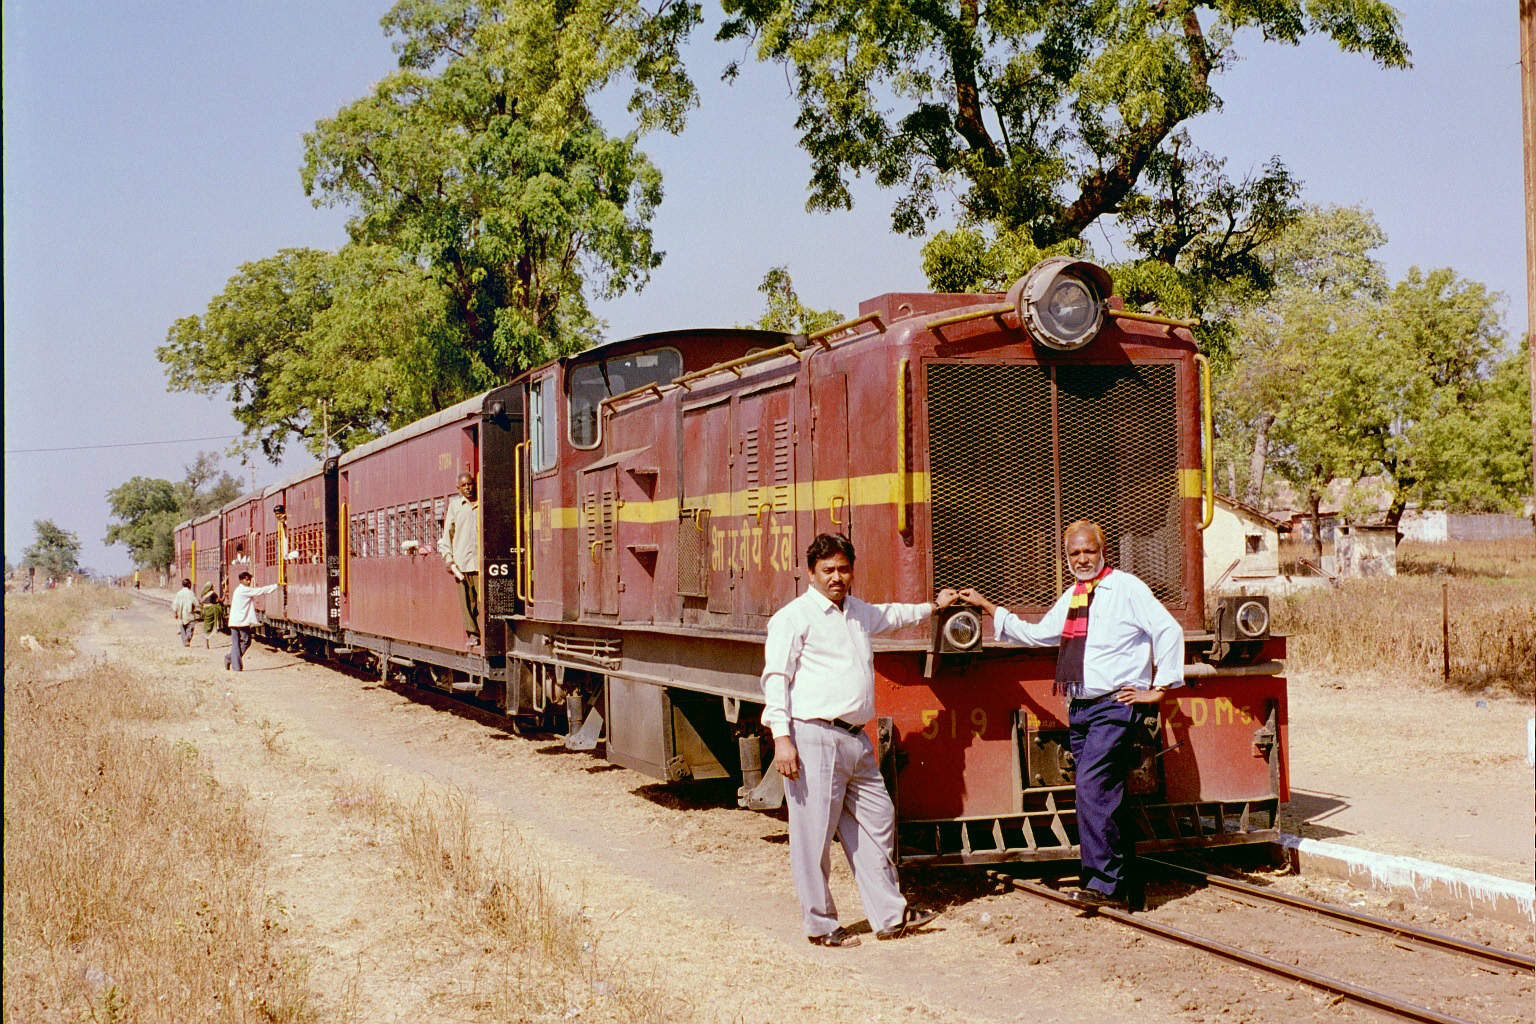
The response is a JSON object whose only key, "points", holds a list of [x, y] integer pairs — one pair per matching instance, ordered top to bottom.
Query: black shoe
{"points": [[1092, 899], [911, 921], [837, 937]]}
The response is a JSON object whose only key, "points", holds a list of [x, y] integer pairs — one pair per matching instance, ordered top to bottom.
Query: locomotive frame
{"points": [[645, 507]]}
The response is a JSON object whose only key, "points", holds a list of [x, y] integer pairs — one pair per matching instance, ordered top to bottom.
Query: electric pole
{"points": [[1528, 125]]}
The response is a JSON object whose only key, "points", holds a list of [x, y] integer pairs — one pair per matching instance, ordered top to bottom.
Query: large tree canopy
{"points": [[1045, 116], [481, 158], [488, 203], [1338, 375]]}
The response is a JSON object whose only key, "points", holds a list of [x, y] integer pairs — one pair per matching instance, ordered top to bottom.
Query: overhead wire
{"points": [[125, 444]]}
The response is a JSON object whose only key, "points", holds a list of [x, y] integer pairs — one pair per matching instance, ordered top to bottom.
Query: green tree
{"points": [[1047, 116], [481, 159], [488, 202], [1327, 281], [785, 312], [1443, 337], [249, 345], [1412, 385], [1477, 457], [146, 510], [56, 552]]}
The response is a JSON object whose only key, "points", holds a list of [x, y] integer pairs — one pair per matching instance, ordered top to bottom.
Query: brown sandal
{"points": [[839, 937]]}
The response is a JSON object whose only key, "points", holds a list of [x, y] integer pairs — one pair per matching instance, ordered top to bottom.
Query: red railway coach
{"points": [[645, 506], [300, 515], [198, 552]]}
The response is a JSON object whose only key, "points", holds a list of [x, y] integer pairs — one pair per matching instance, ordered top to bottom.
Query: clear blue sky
{"points": [[153, 147]]}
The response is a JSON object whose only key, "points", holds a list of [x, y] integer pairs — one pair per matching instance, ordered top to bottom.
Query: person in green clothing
{"points": [[213, 614]]}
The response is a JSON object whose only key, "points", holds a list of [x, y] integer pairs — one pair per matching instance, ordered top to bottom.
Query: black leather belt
{"points": [[1088, 702], [848, 727]]}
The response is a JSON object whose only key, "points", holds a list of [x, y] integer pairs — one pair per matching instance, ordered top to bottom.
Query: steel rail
{"points": [[1437, 940], [1364, 996]]}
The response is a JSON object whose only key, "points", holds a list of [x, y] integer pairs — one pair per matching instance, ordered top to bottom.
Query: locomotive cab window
{"points": [[593, 382], [541, 424]]}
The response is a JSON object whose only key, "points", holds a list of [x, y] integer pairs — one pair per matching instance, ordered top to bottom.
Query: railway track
{"points": [[1496, 963]]}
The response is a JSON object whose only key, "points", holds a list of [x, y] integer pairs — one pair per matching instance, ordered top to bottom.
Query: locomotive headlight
{"points": [[1061, 301], [962, 631]]}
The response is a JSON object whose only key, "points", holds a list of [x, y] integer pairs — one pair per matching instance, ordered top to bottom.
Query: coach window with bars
{"points": [[1018, 450]]}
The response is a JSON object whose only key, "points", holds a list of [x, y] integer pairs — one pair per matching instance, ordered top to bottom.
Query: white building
{"points": [[1241, 544]]}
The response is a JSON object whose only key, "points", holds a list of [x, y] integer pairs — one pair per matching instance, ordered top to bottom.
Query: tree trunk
{"points": [[1258, 459], [1314, 502], [1395, 513]]}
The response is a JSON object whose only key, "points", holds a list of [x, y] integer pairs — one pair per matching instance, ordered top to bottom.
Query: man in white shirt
{"points": [[460, 547], [184, 608], [242, 619], [1111, 631], [818, 696]]}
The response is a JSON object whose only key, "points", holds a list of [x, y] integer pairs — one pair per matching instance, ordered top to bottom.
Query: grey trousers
{"points": [[840, 790]]}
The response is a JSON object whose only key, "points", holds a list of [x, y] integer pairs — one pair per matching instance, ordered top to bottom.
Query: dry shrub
{"points": [[1489, 559], [38, 626], [1394, 626], [134, 887], [493, 894]]}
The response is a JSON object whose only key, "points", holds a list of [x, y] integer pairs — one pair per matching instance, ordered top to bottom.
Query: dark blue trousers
{"points": [[239, 643], [1102, 747]]}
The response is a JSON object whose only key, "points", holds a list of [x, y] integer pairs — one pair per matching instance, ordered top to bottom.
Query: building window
{"points": [[1253, 543]]}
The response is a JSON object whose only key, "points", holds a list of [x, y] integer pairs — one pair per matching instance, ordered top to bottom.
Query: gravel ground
{"points": [[696, 896]]}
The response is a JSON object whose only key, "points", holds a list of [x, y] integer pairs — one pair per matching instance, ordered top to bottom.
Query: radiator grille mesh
{"points": [[1008, 471]]}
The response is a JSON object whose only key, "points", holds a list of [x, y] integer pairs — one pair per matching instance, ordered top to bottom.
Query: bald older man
{"points": [[1111, 631]]}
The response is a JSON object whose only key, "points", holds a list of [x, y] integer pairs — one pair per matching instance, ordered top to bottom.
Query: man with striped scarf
{"points": [[1112, 632]]}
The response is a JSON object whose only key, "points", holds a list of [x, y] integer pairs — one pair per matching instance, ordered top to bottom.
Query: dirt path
{"points": [[689, 894]]}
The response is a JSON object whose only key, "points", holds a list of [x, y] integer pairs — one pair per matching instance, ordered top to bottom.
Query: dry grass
{"points": [[1513, 560], [1394, 624], [38, 626], [134, 886], [490, 893]]}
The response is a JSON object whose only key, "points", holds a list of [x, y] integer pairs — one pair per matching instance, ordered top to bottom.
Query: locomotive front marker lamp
{"points": [[1061, 301], [1243, 618], [1240, 623], [956, 630], [961, 631]]}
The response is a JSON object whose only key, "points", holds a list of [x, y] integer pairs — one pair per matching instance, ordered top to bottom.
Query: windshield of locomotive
{"points": [[592, 382]]}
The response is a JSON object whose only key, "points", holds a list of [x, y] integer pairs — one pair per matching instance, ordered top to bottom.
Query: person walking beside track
{"points": [[184, 608], [213, 613], [242, 619], [1105, 669], [818, 696]]}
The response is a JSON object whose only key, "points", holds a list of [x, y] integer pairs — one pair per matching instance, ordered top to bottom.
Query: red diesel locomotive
{"points": [[645, 507]]}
